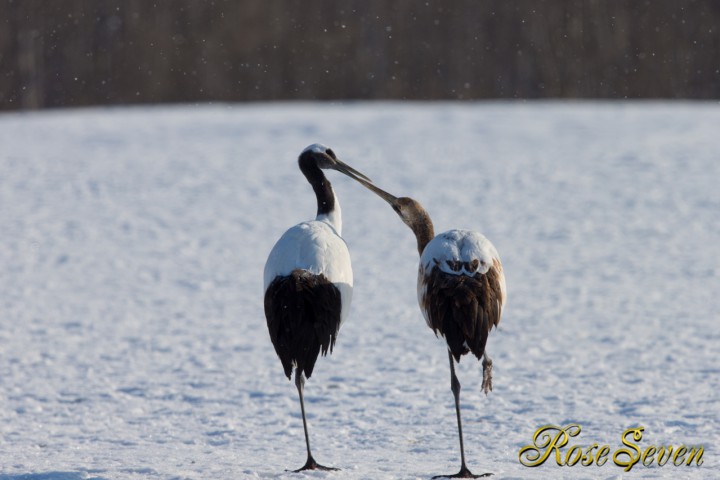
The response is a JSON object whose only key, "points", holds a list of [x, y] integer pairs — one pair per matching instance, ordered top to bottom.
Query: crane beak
{"points": [[343, 167], [391, 199]]}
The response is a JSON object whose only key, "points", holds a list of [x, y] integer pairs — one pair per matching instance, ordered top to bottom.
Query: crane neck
{"points": [[328, 206], [422, 227]]}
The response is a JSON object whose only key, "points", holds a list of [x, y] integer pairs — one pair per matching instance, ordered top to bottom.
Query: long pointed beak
{"points": [[343, 167], [367, 183], [391, 199]]}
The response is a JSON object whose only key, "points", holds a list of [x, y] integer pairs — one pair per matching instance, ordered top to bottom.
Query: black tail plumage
{"points": [[303, 318]]}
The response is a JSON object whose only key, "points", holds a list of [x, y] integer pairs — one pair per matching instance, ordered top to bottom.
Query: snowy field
{"points": [[133, 342]]}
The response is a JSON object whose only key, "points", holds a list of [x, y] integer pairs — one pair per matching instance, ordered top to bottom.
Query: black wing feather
{"points": [[303, 317]]}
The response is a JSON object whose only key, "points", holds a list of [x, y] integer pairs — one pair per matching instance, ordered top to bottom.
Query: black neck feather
{"points": [[321, 185]]}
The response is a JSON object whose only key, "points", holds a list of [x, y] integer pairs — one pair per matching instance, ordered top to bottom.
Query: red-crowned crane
{"points": [[308, 281], [461, 291]]}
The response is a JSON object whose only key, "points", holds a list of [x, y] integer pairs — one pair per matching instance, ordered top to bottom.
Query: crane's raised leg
{"points": [[487, 373], [455, 387], [310, 464]]}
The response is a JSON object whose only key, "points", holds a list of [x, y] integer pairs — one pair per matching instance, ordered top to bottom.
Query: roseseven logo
{"points": [[551, 439]]}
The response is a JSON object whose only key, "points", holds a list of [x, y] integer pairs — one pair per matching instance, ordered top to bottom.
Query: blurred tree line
{"points": [[80, 52]]}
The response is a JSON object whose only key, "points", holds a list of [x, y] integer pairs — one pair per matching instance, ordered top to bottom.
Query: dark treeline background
{"points": [[79, 52]]}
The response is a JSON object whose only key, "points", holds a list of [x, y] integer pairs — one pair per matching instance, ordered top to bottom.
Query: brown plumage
{"points": [[462, 308]]}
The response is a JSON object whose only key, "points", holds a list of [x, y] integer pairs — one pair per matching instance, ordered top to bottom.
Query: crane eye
{"points": [[331, 153]]}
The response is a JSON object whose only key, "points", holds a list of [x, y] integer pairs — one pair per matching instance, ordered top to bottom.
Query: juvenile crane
{"points": [[308, 281], [461, 291]]}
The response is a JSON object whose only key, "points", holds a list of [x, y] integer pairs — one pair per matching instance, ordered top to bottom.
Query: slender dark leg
{"points": [[455, 387], [310, 464]]}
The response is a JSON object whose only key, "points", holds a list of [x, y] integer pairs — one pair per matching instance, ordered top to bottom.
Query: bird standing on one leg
{"points": [[308, 281], [461, 291]]}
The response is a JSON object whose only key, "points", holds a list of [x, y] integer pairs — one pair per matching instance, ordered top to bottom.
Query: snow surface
{"points": [[133, 342]]}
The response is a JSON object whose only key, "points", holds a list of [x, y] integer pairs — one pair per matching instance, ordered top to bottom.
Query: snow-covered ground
{"points": [[133, 342]]}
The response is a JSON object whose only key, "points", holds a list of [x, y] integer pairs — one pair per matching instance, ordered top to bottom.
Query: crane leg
{"points": [[487, 373], [455, 387], [310, 464]]}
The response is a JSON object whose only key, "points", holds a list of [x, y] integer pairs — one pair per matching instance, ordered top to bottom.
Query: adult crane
{"points": [[308, 280]]}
